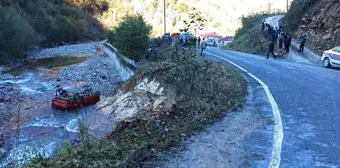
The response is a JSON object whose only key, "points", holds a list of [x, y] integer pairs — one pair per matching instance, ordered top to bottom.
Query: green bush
{"points": [[91, 6], [63, 23], [248, 23], [16, 34], [131, 37], [249, 38]]}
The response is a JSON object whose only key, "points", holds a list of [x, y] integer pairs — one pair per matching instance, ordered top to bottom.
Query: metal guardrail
{"points": [[127, 60], [124, 65]]}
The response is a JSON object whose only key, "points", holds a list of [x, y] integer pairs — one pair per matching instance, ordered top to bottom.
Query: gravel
{"points": [[84, 49], [98, 72]]}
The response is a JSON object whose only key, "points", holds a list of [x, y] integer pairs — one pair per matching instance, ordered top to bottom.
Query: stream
{"points": [[34, 127]]}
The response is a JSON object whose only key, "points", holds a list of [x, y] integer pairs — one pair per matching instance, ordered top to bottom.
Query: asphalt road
{"points": [[308, 98]]}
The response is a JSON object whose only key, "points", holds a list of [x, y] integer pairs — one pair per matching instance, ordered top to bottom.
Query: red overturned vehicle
{"points": [[70, 101]]}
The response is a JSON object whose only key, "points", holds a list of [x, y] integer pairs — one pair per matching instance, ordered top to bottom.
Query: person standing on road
{"points": [[262, 26], [281, 29], [269, 30], [276, 34], [281, 38], [303, 40], [199, 42], [287, 42], [203, 47], [271, 49]]}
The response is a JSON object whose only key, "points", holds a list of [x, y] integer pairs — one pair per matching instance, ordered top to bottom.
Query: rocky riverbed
{"points": [[84, 49], [97, 72], [27, 120]]}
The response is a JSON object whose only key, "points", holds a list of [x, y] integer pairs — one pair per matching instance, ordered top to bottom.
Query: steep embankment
{"points": [[320, 19]]}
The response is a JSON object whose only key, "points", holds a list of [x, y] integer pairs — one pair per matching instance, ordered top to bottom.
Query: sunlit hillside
{"points": [[223, 15]]}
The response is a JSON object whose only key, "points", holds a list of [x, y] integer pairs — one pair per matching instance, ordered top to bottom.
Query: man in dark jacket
{"points": [[281, 29], [303, 40], [287, 42], [271, 49]]}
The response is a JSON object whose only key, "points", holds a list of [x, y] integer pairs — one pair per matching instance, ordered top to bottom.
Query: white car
{"points": [[331, 57]]}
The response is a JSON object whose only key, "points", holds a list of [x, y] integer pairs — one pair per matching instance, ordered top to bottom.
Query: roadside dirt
{"points": [[241, 139]]}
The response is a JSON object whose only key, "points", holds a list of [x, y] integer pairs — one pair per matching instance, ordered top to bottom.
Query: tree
{"points": [[183, 8], [196, 21], [16, 34], [131, 36]]}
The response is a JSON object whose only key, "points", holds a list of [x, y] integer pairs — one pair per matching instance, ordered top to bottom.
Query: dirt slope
{"points": [[319, 18]]}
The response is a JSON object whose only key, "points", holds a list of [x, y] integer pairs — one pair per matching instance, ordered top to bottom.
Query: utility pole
{"points": [[268, 6], [287, 6], [164, 20]]}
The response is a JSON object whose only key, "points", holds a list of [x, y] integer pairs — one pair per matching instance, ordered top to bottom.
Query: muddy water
{"points": [[46, 63], [34, 124]]}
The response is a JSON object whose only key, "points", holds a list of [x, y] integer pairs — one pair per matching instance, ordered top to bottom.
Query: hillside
{"points": [[222, 17], [320, 19], [27, 23], [249, 38]]}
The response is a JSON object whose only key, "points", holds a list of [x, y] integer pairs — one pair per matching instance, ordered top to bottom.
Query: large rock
{"points": [[337, 26], [327, 36], [144, 96], [2, 97], [2, 140], [2, 153]]}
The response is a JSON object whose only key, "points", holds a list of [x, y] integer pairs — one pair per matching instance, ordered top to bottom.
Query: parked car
{"points": [[211, 42], [331, 57]]}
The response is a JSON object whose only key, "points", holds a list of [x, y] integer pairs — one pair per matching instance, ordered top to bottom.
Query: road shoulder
{"points": [[241, 139]]}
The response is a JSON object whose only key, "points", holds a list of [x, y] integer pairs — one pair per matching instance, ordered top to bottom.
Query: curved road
{"points": [[308, 98]]}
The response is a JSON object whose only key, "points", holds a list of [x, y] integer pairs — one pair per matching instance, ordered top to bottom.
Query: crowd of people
{"points": [[277, 36], [201, 43]]}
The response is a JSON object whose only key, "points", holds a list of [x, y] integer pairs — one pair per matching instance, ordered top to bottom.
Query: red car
{"points": [[74, 101]]}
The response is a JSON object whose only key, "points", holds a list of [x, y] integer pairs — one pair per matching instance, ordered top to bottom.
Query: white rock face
{"points": [[150, 86], [145, 96]]}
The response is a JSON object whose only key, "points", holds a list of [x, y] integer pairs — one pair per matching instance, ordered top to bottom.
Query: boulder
{"points": [[337, 26], [327, 36], [2, 97], [159, 103], [2, 140], [2, 153]]}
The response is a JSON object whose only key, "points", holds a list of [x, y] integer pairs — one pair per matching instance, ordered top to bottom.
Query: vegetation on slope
{"points": [[220, 14], [25, 24], [16, 33], [131, 37], [249, 38]]}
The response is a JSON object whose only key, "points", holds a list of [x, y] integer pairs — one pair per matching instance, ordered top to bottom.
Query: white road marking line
{"points": [[278, 130]]}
